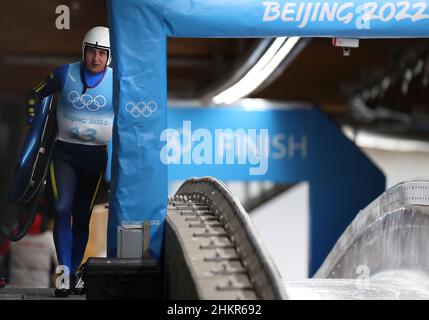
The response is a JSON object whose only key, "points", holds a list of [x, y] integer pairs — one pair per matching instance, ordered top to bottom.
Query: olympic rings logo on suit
{"points": [[86, 101], [141, 109]]}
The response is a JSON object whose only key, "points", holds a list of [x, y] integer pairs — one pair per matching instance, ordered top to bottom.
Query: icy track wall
{"points": [[210, 238], [388, 239]]}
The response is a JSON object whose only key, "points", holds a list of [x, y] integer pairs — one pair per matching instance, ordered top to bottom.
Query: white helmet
{"points": [[97, 37]]}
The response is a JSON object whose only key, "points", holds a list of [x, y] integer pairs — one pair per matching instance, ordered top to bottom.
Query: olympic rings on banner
{"points": [[141, 109]]}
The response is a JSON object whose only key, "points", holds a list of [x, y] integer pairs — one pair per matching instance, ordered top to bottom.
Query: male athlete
{"points": [[84, 117]]}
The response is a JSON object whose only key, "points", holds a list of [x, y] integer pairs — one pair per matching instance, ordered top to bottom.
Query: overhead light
{"points": [[266, 65], [372, 140]]}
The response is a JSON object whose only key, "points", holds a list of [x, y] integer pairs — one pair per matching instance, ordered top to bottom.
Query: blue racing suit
{"points": [[84, 117]]}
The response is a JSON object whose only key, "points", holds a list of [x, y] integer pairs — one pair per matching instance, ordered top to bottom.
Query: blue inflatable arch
{"points": [[139, 31]]}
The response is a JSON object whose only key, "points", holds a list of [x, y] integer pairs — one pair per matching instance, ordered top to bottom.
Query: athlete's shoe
{"points": [[78, 286], [62, 289]]}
